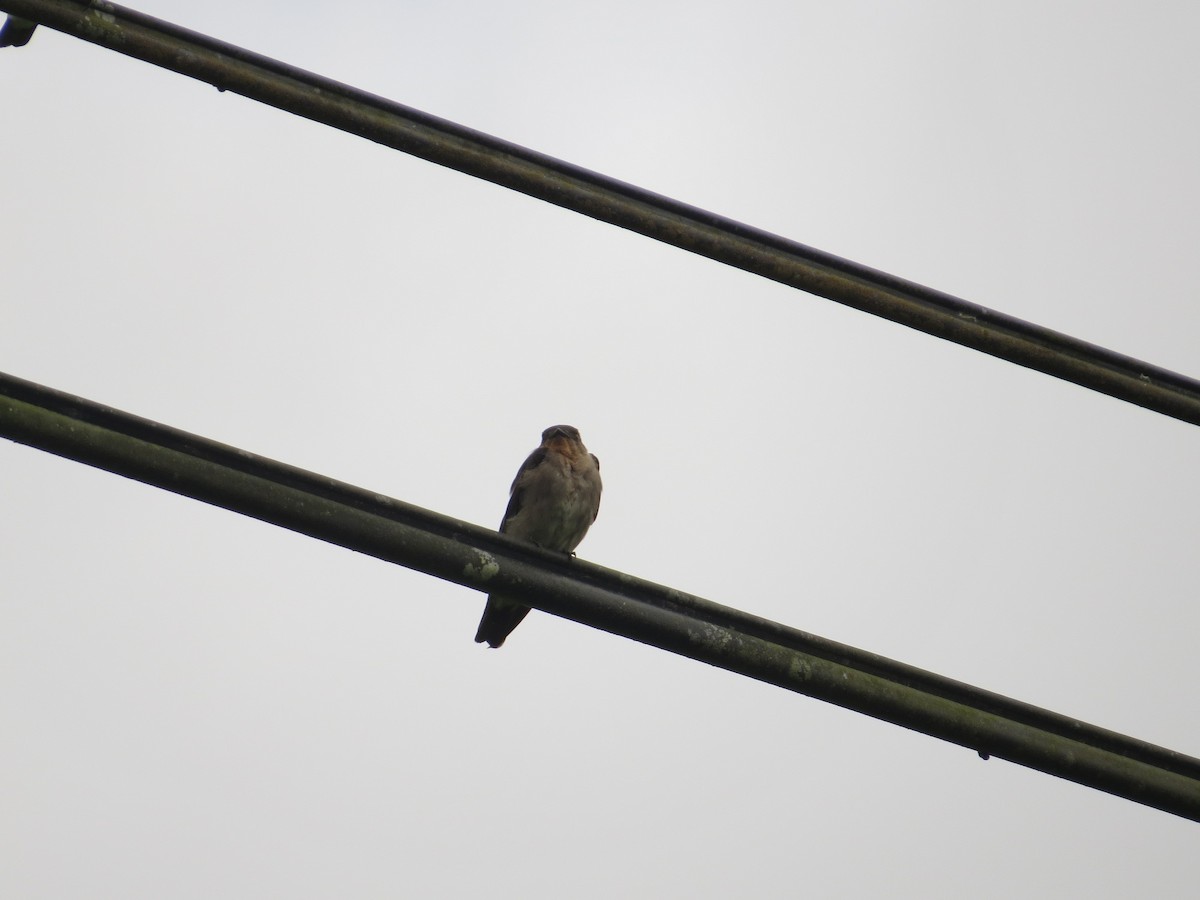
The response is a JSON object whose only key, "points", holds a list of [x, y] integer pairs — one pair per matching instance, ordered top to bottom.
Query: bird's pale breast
{"points": [[559, 505]]}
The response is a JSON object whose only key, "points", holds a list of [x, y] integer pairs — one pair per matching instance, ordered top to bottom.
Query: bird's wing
{"points": [[516, 494], [596, 508]]}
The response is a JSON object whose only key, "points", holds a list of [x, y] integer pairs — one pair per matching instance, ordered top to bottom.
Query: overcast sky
{"points": [[194, 704]]}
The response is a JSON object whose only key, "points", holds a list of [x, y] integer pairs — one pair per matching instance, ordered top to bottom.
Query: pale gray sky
{"points": [[194, 704]]}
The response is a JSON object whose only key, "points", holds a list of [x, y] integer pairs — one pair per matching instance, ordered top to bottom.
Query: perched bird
{"points": [[16, 32], [552, 503]]}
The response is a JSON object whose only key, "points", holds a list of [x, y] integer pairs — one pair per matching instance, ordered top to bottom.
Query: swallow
{"points": [[16, 32], [552, 503]]}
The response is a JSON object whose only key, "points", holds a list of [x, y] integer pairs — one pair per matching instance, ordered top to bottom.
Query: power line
{"points": [[448, 144], [603, 598], [616, 602]]}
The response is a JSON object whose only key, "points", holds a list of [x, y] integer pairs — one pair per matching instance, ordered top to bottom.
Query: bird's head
{"points": [[570, 432], [564, 438]]}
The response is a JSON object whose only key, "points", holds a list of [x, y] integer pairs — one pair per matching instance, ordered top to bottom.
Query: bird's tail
{"points": [[16, 32], [500, 617]]}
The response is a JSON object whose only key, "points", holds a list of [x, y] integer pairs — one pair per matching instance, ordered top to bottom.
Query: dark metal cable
{"points": [[437, 140], [613, 601]]}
